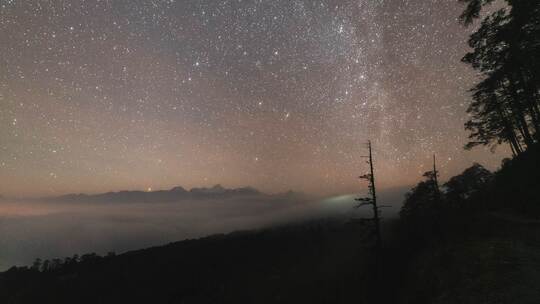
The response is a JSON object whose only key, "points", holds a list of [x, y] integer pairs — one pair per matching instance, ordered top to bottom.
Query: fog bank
{"points": [[58, 229]]}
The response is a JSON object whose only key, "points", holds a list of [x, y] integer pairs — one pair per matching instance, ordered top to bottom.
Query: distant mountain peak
{"points": [[178, 189], [214, 190]]}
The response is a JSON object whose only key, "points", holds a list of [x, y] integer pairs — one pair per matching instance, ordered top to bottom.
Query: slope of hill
{"points": [[491, 247], [313, 262], [498, 263]]}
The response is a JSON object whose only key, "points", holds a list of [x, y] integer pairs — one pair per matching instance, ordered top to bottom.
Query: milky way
{"points": [[109, 95]]}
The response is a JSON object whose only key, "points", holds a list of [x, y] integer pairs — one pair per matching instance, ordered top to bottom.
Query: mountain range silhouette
{"points": [[174, 194]]}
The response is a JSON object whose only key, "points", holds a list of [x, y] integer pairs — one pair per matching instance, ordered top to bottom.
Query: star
{"points": [[107, 96]]}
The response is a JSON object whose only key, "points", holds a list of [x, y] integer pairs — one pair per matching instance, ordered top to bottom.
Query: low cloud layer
{"points": [[57, 229]]}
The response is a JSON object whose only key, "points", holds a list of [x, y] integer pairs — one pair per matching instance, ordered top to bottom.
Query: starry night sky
{"points": [[110, 95]]}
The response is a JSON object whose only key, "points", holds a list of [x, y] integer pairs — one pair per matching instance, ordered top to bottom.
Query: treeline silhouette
{"points": [[474, 213], [432, 214]]}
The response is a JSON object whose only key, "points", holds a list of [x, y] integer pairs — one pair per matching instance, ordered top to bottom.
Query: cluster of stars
{"points": [[110, 95]]}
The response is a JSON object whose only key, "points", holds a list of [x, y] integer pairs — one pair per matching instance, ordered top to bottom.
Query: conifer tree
{"points": [[505, 48]]}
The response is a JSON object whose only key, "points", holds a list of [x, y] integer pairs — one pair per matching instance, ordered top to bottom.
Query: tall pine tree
{"points": [[506, 102]]}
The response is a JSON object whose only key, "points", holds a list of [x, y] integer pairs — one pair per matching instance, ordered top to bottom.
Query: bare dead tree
{"points": [[435, 178], [371, 200]]}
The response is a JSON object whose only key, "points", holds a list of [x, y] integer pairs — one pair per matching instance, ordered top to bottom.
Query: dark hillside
{"points": [[517, 185], [488, 250], [314, 262], [499, 263]]}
